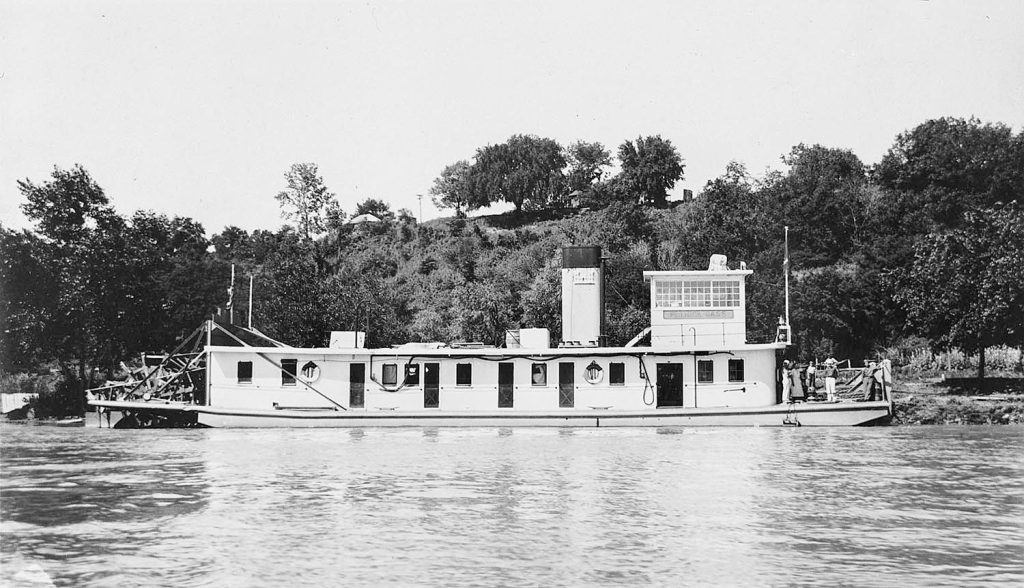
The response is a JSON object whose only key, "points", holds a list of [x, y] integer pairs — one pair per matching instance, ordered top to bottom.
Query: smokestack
{"points": [[582, 296]]}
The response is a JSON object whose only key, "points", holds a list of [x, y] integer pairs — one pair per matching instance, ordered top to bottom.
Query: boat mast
{"points": [[250, 302]]}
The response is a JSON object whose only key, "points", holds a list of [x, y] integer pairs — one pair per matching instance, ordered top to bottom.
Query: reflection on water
{"points": [[511, 507]]}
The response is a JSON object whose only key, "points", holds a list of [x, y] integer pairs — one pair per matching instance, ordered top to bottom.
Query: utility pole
{"points": [[419, 220]]}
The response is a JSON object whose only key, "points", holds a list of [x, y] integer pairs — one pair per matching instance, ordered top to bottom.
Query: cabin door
{"points": [[506, 379], [356, 384], [670, 384], [566, 385], [431, 386]]}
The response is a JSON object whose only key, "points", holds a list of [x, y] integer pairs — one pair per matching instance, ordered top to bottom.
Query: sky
{"points": [[198, 109]]}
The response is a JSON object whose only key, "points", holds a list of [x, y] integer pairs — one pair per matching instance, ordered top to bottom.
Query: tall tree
{"points": [[587, 162], [948, 165], [650, 168], [525, 171], [450, 190], [306, 199], [823, 201], [82, 237], [964, 287]]}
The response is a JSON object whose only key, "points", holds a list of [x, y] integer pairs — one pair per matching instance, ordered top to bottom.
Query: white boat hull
{"points": [[806, 414]]}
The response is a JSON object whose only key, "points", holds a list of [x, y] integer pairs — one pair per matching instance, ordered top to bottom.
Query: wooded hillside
{"points": [[926, 244]]}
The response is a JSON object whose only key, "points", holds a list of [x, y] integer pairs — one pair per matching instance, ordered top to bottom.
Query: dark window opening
{"points": [[288, 369], [705, 370], [736, 370], [245, 372], [389, 374], [412, 374], [464, 374], [539, 374], [617, 374]]}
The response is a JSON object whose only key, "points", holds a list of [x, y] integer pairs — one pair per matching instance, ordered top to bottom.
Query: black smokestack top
{"points": [[588, 256]]}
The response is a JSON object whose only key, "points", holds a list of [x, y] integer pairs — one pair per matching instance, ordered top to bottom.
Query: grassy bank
{"points": [[932, 403]]}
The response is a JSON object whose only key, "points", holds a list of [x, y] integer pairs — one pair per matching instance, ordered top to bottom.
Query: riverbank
{"points": [[937, 403]]}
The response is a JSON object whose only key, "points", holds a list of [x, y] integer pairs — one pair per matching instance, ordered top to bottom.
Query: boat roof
{"points": [[496, 351]]}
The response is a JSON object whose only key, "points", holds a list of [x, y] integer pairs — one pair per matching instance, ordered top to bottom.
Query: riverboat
{"points": [[691, 367]]}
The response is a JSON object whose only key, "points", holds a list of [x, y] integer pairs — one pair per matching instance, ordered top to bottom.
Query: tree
{"points": [[586, 165], [948, 165], [650, 168], [525, 171], [449, 189], [306, 199], [823, 200], [377, 208], [82, 239], [964, 287]]}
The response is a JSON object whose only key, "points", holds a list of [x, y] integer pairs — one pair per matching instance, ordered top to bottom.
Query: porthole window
{"points": [[310, 372], [593, 373]]}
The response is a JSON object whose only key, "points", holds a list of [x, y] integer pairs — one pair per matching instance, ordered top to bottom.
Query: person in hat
{"points": [[831, 373]]}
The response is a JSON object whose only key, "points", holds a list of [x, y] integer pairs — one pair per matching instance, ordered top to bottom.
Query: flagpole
{"points": [[785, 264], [250, 302]]}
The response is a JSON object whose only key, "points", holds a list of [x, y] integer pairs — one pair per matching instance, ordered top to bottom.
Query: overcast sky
{"points": [[198, 108]]}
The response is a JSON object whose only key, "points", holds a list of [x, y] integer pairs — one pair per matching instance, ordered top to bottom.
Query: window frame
{"points": [[389, 371], [737, 371], [238, 372], [543, 372], [464, 374], [705, 377], [289, 378], [617, 379]]}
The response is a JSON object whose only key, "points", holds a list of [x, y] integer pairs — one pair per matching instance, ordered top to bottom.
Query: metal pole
{"points": [[785, 265], [231, 297], [250, 302]]}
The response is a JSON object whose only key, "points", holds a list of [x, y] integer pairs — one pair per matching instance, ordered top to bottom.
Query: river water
{"points": [[918, 506]]}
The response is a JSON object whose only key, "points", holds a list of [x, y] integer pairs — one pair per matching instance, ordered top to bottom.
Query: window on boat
{"points": [[697, 293], [288, 369], [706, 370], [736, 370], [245, 372], [310, 372], [593, 373], [617, 373], [389, 374], [412, 374], [463, 374], [539, 374]]}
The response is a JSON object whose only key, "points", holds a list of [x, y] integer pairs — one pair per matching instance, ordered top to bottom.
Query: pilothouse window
{"points": [[697, 293]]}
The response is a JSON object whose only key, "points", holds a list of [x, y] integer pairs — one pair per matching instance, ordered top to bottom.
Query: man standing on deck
{"points": [[831, 373]]}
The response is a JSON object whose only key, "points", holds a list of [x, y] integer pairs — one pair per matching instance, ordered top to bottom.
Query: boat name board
{"points": [[698, 314]]}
